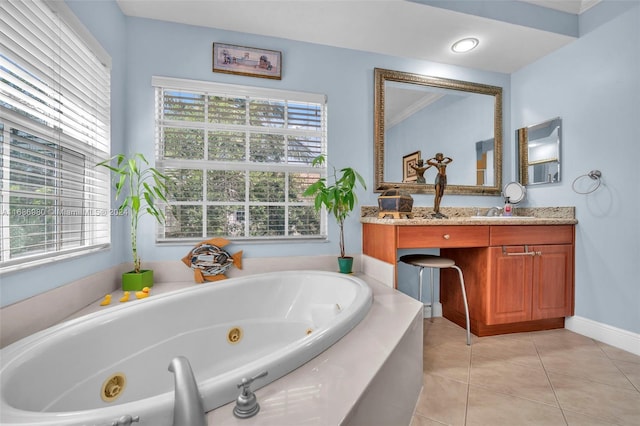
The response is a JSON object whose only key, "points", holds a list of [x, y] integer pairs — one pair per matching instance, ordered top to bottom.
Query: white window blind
{"points": [[54, 128], [238, 160]]}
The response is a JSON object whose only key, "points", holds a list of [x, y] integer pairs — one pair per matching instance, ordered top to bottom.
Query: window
{"points": [[54, 128], [238, 160]]}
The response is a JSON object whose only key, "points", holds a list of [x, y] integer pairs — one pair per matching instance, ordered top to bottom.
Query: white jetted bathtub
{"points": [[95, 369]]}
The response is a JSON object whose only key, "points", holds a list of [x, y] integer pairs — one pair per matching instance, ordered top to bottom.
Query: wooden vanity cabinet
{"points": [[523, 281]]}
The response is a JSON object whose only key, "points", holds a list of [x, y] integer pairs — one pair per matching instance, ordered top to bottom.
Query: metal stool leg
{"points": [[420, 289], [432, 294], [466, 306]]}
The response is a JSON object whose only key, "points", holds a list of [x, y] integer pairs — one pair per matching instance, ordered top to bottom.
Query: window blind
{"points": [[55, 127], [238, 160]]}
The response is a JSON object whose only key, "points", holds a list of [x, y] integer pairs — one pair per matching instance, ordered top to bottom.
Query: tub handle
{"points": [[247, 403], [125, 420]]}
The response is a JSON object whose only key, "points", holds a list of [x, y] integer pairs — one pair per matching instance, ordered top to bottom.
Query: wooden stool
{"points": [[432, 261]]}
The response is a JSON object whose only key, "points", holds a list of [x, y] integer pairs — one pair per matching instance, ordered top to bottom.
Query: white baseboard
{"points": [[622, 339]]}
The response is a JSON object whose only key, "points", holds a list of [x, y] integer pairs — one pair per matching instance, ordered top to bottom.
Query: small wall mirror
{"points": [[417, 116], [538, 148]]}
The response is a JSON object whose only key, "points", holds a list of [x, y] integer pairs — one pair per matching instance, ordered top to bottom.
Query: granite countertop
{"points": [[464, 216]]}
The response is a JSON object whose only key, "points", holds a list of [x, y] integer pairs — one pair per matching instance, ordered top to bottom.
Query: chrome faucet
{"points": [[494, 211], [247, 403], [188, 409]]}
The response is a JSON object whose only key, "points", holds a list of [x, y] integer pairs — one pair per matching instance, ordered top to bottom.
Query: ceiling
{"points": [[412, 29]]}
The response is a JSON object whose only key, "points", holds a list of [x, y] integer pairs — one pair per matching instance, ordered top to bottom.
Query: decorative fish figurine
{"points": [[210, 261]]}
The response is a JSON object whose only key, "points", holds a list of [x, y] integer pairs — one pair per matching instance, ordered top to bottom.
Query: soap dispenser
{"points": [[508, 208]]}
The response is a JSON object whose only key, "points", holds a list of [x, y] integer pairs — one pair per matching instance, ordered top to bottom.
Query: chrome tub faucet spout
{"points": [[188, 409]]}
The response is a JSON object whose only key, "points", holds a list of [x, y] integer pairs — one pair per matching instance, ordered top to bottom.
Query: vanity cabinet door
{"points": [[530, 283], [552, 284], [510, 285]]}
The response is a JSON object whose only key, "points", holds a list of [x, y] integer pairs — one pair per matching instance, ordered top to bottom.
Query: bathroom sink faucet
{"points": [[494, 211], [188, 409]]}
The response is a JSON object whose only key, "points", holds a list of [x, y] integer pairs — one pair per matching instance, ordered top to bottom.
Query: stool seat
{"points": [[427, 261], [432, 262]]}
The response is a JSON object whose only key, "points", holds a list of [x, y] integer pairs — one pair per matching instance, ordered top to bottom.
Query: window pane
{"points": [[183, 106], [227, 110], [267, 113], [305, 116], [183, 143], [227, 146], [266, 148], [302, 150], [298, 183], [184, 184], [225, 185], [266, 186], [46, 202], [225, 220], [303, 220], [183, 221], [266, 221]]}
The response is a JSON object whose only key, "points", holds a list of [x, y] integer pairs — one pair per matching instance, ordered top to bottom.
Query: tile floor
{"points": [[553, 377]]}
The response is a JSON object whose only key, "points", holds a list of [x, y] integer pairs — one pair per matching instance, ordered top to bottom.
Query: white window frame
{"points": [[162, 84], [54, 100]]}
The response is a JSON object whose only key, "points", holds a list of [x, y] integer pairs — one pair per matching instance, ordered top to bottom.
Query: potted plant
{"points": [[143, 186], [339, 198]]}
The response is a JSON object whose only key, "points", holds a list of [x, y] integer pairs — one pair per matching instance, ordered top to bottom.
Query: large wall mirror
{"points": [[417, 116], [538, 148]]}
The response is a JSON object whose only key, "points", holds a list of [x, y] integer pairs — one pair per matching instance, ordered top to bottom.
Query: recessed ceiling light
{"points": [[465, 45]]}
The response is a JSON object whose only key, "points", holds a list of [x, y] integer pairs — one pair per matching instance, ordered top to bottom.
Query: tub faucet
{"points": [[188, 409]]}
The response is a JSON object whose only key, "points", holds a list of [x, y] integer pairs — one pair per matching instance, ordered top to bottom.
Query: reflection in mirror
{"points": [[427, 115], [539, 152]]}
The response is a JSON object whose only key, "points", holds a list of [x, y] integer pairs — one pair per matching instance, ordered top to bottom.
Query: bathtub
{"points": [[228, 330]]}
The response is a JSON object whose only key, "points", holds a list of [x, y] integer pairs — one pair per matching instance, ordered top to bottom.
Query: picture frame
{"points": [[248, 61], [409, 174]]}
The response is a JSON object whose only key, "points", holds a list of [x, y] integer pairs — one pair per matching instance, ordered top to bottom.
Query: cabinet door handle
{"points": [[446, 236], [528, 253]]}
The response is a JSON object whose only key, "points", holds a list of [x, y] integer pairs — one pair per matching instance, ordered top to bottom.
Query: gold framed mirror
{"points": [[418, 113], [538, 152]]}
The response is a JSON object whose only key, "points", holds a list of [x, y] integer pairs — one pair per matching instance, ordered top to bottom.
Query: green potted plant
{"points": [[143, 186], [339, 198]]}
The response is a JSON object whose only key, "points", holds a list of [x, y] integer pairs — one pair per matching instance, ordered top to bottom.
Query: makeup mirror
{"points": [[538, 152]]}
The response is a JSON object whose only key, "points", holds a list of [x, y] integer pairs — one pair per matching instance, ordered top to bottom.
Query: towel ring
{"points": [[593, 175]]}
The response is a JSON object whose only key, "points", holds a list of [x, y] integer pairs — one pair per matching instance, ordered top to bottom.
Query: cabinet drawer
{"points": [[531, 234], [442, 236]]}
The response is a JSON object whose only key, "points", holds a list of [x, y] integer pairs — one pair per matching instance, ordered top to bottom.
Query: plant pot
{"points": [[345, 264], [132, 281]]}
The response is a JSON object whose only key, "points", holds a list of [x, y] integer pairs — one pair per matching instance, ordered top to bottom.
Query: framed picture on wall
{"points": [[249, 61], [409, 174]]}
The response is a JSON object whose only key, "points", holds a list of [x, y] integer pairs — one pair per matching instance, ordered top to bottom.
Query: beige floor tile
{"points": [[443, 331], [562, 341], [515, 350], [618, 354], [450, 360], [595, 368], [631, 370], [512, 379], [443, 400], [601, 401], [496, 409], [576, 419], [418, 420]]}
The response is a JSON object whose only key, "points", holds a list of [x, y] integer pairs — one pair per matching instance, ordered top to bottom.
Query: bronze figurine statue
{"points": [[440, 162], [420, 169]]}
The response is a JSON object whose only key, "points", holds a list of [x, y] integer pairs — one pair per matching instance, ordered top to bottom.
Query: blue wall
{"points": [[586, 83], [594, 85]]}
